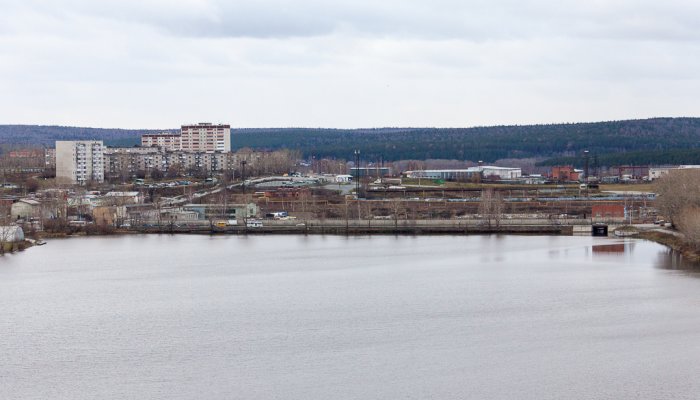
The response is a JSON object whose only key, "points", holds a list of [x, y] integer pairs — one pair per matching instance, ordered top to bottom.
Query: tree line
{"points": [[644, 140], [649, 141], [649, 157]]}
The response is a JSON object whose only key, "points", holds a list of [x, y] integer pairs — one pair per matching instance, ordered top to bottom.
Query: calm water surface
{"points": [[293, 317]]}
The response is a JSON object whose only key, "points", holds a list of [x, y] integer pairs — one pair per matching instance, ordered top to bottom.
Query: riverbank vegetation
{"points": [[678, 199], [675, 242]]}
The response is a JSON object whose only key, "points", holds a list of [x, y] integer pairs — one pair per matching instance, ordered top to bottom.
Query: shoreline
{"points": [[673, 242]]}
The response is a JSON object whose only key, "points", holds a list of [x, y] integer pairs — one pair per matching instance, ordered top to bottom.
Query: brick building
{"points": [[565, 173], [608, 212]]}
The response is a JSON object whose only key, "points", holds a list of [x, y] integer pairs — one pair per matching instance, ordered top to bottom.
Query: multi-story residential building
{"points": [[205, 137], [168, 141], [50, 158], [79, 162], [125, 163]]}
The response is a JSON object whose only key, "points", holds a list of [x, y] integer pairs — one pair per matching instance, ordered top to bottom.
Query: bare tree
{"points": [[174, 170], [157, 174], [676, 191], [491, 207], [397, 208], [688, 222], [5, 226]]}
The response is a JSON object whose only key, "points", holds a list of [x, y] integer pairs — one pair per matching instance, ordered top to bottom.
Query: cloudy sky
{"points": [[346, 63]]}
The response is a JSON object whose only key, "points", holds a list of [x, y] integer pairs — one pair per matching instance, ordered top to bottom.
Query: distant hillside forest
{"points": [[19, 136], [649, 141]]}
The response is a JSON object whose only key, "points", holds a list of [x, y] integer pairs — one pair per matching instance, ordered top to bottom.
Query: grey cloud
{"points": [[470, 20], [474, 20], [312, 62]]}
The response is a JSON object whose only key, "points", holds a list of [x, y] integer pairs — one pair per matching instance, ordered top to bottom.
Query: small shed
{"points": [[25, 208], [11, 234]]}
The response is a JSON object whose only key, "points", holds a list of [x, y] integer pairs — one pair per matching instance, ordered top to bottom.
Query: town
{"points": [[191, 181], [311, 200]]}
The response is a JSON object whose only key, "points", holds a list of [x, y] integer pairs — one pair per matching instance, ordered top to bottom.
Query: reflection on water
{"points": [[617, 248], [615, 251], [624, 251], [674, 260], [335, 317]]}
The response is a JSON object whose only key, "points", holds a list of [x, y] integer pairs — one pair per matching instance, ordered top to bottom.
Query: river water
{"points": [[332, 317]]}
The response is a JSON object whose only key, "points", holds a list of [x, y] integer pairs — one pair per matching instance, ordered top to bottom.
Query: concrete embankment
{"points": [[355, 227]]}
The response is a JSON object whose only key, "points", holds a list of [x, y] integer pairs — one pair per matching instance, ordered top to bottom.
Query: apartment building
{"points": [[205, 137], [168, 141], [50, 158], [80, 162], [126, 162]]}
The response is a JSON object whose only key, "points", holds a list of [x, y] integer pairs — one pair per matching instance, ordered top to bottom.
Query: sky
{"points": [[346, 63]]}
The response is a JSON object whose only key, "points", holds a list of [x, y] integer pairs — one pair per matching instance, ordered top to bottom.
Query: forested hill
{"points": [[46, 136], [644, 138], [483, 143]]}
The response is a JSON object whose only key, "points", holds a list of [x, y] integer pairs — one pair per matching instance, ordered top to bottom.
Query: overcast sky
{"points": [[347, 63]]}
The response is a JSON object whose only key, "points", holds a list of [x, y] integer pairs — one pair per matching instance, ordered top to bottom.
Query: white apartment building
{"points": [[206, 137], [79, 162]]}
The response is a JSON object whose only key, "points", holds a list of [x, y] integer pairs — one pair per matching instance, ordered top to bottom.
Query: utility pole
{"points": [[243, 163], [585, 168], [596, 172], [357, 180], [245, 203]]}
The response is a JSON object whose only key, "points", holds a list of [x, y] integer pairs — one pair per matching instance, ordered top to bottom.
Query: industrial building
{"points": [[374, 172], [482, 172], [658, 172], [565, 173], [226, 211]]}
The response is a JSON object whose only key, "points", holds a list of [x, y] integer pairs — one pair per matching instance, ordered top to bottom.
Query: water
{"points": [[293, 317]]}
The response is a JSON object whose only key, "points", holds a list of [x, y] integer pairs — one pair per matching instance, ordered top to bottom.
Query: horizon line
{"points": [[362, 128]]}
